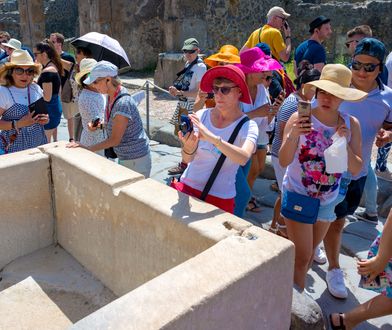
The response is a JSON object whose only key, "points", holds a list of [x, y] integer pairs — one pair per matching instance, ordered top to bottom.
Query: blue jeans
{"points": [[382, 157], [243, 192], [370, 192]]}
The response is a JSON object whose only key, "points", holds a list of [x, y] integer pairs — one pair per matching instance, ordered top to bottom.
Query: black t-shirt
{"points": [[50, 77]]}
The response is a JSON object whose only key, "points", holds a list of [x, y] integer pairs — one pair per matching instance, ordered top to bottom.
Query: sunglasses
{"points": [[282, 18], [348, 43], [185, 51], [368, 67], [20, 71], [268, 78], [225, 90]]}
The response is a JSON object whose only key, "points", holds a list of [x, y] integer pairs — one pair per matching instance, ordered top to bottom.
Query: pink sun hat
{"points": [[254, 60]]}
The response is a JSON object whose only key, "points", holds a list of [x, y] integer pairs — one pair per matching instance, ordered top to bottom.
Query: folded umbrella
{"points": [[103, 47]]}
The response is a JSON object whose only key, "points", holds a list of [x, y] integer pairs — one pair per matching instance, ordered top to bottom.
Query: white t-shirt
{"points": [[388, 64], [199, 69], [20, 95], [262, 97], [199, 170]]}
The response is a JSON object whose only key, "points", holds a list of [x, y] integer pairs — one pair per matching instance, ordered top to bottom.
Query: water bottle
{"points": [[344, 182]]}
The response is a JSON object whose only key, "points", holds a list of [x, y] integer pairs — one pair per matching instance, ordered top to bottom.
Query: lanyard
{"points": [[109, 106]]}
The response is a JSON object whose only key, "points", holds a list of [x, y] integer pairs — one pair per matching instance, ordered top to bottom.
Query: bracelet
{"points": [[219, 141], [190, 154]]}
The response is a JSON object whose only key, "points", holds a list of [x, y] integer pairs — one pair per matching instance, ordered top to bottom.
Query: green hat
{"points": [[190, 44]]}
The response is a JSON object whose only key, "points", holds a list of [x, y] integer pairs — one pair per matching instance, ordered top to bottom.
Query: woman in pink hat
{"points": [[258, 69], [212, 128]]}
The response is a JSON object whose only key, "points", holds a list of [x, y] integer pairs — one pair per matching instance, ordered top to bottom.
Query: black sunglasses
{"points": [[282, 18], [185, 51], [368, 67], [20, 71], [224, 90]]}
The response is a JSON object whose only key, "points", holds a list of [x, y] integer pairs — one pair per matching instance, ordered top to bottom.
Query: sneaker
{"points": [[179, 169], [386, 175], [366, 217], [319, 256], [335, 283]]}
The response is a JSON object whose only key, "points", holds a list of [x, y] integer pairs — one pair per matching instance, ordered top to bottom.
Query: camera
{"points": [[210, 95], [95, 121], [185, 125]]}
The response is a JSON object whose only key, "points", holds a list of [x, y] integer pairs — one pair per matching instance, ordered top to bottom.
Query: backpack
{"points": [[288, 85], [66, 91]]}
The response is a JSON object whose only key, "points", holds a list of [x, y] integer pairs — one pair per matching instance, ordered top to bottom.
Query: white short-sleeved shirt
{"points": [[388, 64], [199, 69], [20, 95], [262, 97], [199, 170]]}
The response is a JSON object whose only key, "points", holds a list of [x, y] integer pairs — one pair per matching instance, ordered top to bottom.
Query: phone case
{"points": [[39, 107]]}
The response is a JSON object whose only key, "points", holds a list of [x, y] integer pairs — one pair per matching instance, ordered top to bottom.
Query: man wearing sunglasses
{"points": [[271, 34], [355, 35], [312, 49], [186, 87], [375, 117]]}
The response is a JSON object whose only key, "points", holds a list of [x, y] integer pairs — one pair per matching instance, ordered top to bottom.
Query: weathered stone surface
{"points": [[167, 67], [306, 314]]}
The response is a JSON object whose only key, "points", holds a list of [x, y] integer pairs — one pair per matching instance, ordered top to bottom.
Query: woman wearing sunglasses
{"points": [[258, 69], [50, 82], [19, 128], [305, 139], [202, 147]]}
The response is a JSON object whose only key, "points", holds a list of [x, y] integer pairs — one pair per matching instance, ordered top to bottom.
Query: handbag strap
{"points": [[221, 159]]}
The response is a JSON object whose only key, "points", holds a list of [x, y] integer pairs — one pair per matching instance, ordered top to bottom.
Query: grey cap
{"points": [[101, 70]]}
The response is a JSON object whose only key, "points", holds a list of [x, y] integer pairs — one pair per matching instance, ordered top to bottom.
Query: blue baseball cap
{"points": [[371, 47], [265, 48], [102, 69]]}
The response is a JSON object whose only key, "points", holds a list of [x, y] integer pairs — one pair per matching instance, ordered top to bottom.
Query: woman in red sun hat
{"points": [[207, 137]]}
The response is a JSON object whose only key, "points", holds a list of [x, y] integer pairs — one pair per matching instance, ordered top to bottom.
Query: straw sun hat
{"points": [[19, 57], [86, 65], [335, 79]]}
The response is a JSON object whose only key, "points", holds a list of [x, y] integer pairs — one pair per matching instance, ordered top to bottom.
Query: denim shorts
{"points": [[261, 146], [327, 212]]}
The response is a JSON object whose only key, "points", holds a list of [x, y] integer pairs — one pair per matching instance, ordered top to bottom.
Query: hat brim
{"points": [[325, 21], [8, 45], [190, 47], [214, 59], [264, 64], [9, 65], [229, 72], [80, 75], [89, 80], [344, 93]]}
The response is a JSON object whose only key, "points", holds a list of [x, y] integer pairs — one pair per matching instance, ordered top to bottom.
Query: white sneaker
{"points": [[319, 256], [335, 283]]}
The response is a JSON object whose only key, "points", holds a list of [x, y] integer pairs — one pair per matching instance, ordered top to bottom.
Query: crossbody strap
{"points": [[221, 160]]}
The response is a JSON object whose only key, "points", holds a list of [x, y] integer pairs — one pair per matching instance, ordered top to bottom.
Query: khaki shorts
{"points": [[69, 109]]}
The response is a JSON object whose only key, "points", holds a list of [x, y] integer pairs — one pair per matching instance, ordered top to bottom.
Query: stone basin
{"points": [[88, 244]]}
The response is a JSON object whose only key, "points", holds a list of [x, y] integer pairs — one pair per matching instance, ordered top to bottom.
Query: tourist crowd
{"points": [[319, 130]]}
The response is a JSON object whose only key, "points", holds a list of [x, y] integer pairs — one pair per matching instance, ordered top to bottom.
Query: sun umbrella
{"points": [[103, 47]]}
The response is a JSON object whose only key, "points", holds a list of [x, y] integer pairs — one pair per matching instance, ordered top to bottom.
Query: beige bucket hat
{"points": [[85, 67], [336, 80]]}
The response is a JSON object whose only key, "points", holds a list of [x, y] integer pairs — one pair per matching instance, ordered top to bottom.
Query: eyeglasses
{"points": [[282, 18], [348, 43], [185, 51], [368, 67], [20, 71], [225, 90]]}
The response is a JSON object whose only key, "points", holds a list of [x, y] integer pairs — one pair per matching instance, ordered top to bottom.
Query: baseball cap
{"points": [[276, 11], [317, 22], [190, 44], [371, 47], [101, 70]]}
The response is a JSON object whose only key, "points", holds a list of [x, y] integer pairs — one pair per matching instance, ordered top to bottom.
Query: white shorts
{"points": [[69, 109], [141, 165], [279, 171]]}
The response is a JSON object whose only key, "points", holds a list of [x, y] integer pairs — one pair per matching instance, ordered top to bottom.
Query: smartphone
{"points": [[286, 25], [38, 107], [304, 109], [95, 122]]}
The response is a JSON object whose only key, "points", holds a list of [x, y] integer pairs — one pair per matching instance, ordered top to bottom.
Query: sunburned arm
{"points": [[354, 148]]}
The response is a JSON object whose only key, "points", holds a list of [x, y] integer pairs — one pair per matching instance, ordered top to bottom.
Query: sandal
{"points": [[274, 186], [253, 206], [341, 325]]}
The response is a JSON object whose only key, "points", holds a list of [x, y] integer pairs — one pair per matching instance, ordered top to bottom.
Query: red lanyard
{"points": [[109, 105]]}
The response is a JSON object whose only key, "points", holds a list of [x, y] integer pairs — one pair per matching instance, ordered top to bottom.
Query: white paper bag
{"points": [[336, 158]]}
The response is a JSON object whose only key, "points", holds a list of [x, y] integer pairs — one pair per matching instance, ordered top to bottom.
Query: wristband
{"points": [[190, 154]]}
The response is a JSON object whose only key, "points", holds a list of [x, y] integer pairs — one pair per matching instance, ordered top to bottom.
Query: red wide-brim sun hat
{"points": [[230, 72]]}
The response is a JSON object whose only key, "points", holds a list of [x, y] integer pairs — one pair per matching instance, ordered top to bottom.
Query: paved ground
{"points": [[357, 235]]}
